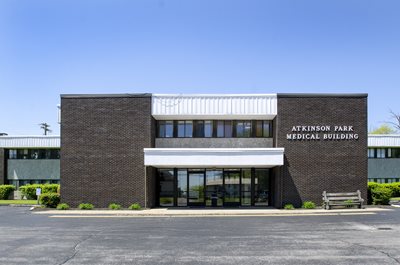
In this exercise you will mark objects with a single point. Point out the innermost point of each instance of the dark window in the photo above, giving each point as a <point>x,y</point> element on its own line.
<point>182,187</point>
<point>263,128</point>
<point>261,187</point>
<point>181,128</point>
<point>165,129</point>
<point>185,129</point>
<point>166,181</point>
<point>243,129</point>
<point>220,129</point>
<point>228,129</point>
<point>199,129</point>
<point>12,154</point>
<point>395,152</point>
<point>208,128</point>
<point>371,153</point>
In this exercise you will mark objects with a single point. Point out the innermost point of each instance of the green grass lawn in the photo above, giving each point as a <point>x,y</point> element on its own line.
<point>395,199</point>
<point>18,202</point>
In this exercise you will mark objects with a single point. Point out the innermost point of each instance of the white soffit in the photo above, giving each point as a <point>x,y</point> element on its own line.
<point>214,106</point>
<point>213,157</point>
<point>30,141</point>
<point>384,140</point>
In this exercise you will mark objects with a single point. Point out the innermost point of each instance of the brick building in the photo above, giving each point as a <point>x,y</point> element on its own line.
<point>212,150</point>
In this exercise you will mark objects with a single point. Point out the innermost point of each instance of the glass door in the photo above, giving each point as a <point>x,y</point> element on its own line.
<point>232,187</point>
<point>196,188</point>
<point>214,187</point>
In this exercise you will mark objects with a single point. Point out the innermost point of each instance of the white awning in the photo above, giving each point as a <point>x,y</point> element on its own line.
<point>213,157</point>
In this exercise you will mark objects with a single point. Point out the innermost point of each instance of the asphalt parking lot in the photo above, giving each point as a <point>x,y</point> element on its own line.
<point>27,238</point>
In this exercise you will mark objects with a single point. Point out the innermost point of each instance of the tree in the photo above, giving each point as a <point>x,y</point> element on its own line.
<point>396,117</point>
<point>383,129</point>
<point>45,127</point>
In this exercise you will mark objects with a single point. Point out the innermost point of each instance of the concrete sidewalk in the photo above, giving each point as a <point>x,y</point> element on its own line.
<point>169,212</point>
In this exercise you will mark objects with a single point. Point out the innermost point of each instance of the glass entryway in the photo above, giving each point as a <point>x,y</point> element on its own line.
<point>214,187</point>
<point>196,188</point>
<point>232,187</point>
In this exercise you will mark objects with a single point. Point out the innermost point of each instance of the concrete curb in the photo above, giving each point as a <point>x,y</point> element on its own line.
<point>209,212</point>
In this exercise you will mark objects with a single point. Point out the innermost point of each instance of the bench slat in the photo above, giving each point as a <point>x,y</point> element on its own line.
<point>343,203</point>
<point>342,194</point>
<point>342,198</point>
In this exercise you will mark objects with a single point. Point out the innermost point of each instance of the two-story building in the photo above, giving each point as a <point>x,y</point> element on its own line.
<point>211,150</point>
<point>384,158</point>
<point>29,160</point>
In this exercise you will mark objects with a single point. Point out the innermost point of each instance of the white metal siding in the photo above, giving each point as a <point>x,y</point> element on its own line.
<point>383,140</point>
<point>29,141</point>
<point>203,106</point>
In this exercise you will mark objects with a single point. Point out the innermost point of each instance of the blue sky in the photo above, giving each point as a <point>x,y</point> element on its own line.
<point>48,48</point>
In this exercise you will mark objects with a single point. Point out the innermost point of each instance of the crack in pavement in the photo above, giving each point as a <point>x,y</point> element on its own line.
<point>75,248</point>
<point>373,248</point>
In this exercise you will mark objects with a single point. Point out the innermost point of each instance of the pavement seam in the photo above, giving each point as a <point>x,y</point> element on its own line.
<point>373,248</point>
<point>75,248</point>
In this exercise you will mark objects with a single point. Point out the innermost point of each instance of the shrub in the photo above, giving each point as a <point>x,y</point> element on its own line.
<point>47,188</point>
<point>114,206</point>
<point>50,199</point>
<point>86,206</point>
<point>135,206</point>
<point>62,206</point>
<point>289,206</point>
<point>308,205</point>
<point>371,186</point>
<point>394,187</point>
<point>5,191</point>
<point>29,190</point>
<point>381,195</point>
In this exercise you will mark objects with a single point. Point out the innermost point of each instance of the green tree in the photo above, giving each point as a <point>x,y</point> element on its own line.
<point>383,129</point>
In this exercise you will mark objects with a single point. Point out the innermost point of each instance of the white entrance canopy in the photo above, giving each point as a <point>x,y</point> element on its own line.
<point>213,157</point>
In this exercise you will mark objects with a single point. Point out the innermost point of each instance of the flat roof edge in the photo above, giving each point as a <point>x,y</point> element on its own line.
<point>322,95</point>
<point>122,95</point>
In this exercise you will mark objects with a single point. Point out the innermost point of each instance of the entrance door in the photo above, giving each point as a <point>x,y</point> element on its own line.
<point>196,188</point>
<point>232,187</point>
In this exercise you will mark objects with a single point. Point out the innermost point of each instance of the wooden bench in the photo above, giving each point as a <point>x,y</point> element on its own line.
<point>342,199</point>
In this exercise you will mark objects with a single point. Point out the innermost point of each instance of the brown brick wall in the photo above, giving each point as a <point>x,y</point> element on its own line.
<point>314,166</point>
<point>102,141</point>
<point>2,167</point>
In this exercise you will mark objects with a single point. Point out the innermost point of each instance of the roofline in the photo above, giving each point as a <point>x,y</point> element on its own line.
<point>214,95</point>
<point>383,135</point>
<point>122,95</point>
<point>322,95</point>
<point>29,136</point>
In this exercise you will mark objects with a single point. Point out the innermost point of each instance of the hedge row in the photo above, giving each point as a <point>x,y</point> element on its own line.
<point>380,193</point>
<point>5,191</point>
<point>29,190</point>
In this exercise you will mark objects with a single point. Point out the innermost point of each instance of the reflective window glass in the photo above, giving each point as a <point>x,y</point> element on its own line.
<point>182,187</point>
<point>208,128</point>
<point>166,180</point>
<point>199,129</point>
<point>261,187</point>
<point>246,187</point>
<point>228,129</point>
<point>214,188</point>
<point>220,128</point>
